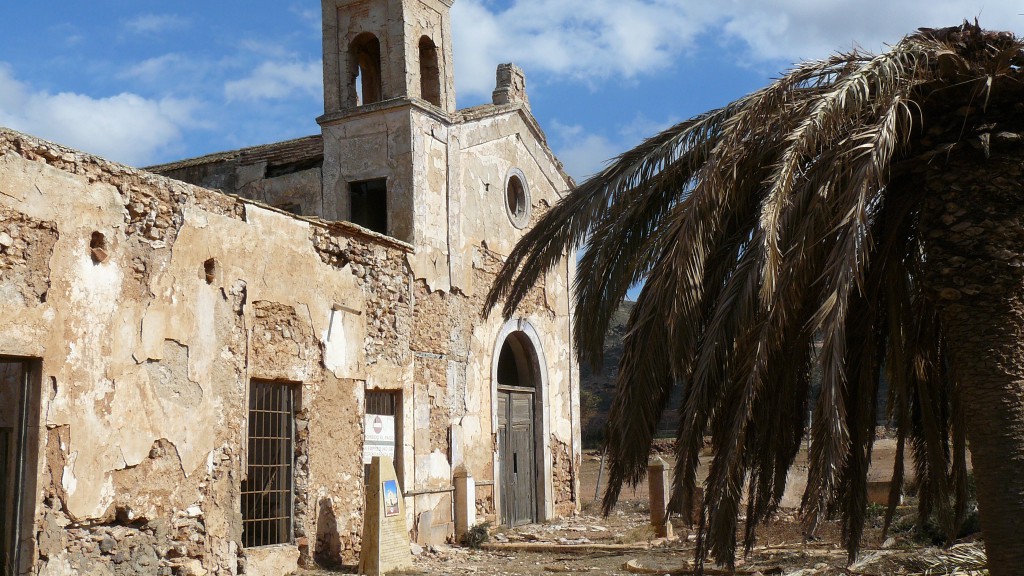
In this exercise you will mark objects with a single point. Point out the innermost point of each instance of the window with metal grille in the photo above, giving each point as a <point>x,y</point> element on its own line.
<point>267,492</point>
<point>381,402</point>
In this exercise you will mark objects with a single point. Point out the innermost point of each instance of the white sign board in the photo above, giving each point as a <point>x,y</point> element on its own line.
<point>380,437</point>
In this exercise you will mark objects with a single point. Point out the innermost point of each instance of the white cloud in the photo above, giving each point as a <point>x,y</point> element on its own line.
<point>582,39</point>
<point>799,29</point>
<point>309,16</point>
<point>582,154</point>
<point>597,39</point>
<point>640,127</point>
<point>154,23</point>
<point>125,127</point>
<point>277,80</point>
<point>158,68</point>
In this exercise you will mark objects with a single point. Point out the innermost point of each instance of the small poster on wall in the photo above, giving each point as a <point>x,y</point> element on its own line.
<point>390,488</point>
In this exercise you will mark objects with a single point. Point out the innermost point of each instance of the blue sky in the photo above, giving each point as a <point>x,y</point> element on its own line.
<point>144,82</point>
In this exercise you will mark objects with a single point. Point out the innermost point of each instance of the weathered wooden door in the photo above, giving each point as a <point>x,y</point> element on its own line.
<point>517,457</point>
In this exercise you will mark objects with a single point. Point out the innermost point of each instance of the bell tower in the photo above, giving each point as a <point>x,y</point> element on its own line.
<point>380,50</point>
<point>389,95</point>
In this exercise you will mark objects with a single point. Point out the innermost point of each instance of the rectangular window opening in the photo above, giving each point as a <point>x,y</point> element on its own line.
<point>369,203</point>
<point>268,490</point>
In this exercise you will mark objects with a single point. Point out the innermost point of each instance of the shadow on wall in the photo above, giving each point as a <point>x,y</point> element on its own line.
<point>328,541</point>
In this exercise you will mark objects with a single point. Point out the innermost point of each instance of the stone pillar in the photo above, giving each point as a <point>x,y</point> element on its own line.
<point>657,478</point>
<point>385,545</point>
<point>465,501</point>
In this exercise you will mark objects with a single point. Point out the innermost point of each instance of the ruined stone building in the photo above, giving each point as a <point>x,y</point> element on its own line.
<point>192,355</point>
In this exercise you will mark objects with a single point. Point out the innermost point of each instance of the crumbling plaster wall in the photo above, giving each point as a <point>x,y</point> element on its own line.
<point>463,234</point>
<point>433,146</point>
<point>25,246</point>
<point>147,346</point>
<point>490,147</point>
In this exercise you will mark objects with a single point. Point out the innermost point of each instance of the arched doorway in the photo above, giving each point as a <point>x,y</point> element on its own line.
<point>518,378</point>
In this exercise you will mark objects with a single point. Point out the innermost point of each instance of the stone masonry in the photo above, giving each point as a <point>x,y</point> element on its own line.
<point>146,304</point>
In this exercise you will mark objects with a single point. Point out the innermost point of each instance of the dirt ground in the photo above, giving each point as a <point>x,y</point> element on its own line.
<point>625,543</point>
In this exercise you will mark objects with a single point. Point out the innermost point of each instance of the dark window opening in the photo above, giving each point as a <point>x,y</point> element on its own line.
<point>285,168</point>
<point>515,197</point>
<point>508,371</point>
<point>430,75</point>
<point>365,57</point>
<point>370,204</point>
<point>382,402</point>
<point>267,491</point>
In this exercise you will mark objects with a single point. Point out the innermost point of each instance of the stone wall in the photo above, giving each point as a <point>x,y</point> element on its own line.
<point>150,304</point>
<point>25,246</point>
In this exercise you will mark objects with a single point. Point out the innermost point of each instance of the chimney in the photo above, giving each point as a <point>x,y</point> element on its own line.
<point>511,88</point>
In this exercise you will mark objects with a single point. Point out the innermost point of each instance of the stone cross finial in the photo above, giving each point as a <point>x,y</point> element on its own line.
<point>511,87</point>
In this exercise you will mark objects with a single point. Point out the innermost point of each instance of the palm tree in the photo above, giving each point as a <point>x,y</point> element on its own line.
<point>864,213</point>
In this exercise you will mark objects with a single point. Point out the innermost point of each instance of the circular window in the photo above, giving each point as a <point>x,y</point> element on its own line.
<point>517,198</point>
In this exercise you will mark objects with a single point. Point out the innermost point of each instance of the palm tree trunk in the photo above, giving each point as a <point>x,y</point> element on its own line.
<point>972,220</point>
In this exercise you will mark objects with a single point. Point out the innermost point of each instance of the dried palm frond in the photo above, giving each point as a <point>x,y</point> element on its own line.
<point>777,232</point>
<point>960,560</point>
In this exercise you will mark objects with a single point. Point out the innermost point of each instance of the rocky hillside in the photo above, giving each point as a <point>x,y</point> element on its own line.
<point>597,389</point>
